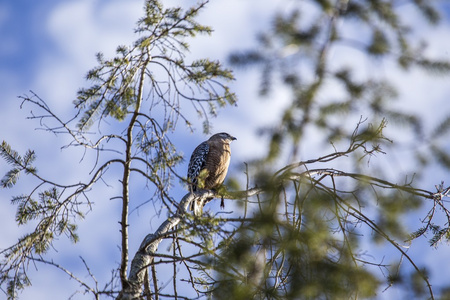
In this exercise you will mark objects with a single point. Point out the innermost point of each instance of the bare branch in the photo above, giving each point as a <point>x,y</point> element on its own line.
<point>144,256</point>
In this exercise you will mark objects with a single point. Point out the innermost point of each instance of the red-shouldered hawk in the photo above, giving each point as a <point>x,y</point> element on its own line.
<point>209,163</point>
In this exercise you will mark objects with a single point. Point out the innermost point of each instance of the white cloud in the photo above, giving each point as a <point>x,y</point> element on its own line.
<point>79,29</point>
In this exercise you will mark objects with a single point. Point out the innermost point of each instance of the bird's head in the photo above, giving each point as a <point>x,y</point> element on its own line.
<point>223,136</point>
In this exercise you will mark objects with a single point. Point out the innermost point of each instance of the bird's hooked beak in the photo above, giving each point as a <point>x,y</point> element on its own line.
<point>233,138</point>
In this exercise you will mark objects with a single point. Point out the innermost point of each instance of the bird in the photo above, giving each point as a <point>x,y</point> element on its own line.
<point>209,163</point>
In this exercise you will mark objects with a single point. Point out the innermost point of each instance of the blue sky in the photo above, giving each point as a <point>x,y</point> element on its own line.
<point>48,46</point>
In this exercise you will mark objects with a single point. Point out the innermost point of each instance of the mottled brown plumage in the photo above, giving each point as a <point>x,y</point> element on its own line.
<point>209,162</point>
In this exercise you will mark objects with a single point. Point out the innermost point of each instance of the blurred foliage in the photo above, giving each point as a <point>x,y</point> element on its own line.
<point>294,54</point>
<point>307,230</point>
<point>312,233</point>
<point>317,233</point>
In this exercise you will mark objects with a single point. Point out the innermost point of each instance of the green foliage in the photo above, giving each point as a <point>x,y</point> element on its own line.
<point>119,82</point>
<point>379,44</point>
<point>428,11</point>
<point>172,21</point>
<point>145,86</point>
<point>295,252</point>
<point>439,234</point>
<point>53,216</point>
<point>305,229</point>
<point>17,162</point>
<point>20,282</point>
<point>441,156</point>
<point>206,68</point>
<point>327,220</point>
<point>295,51</point>
<point>390,207</point>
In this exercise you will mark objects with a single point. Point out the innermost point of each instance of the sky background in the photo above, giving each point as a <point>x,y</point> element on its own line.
<point>48,47</point>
